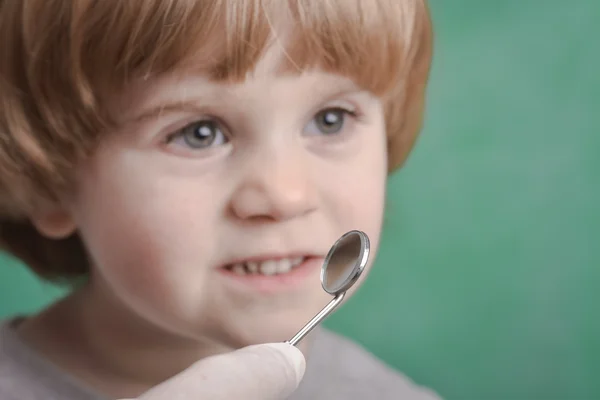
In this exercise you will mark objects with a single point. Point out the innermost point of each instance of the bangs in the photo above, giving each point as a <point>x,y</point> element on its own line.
<point>368,41</point>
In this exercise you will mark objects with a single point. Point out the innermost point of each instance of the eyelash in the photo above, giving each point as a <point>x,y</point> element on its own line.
<point>208,120</point>
<point>180,133</point>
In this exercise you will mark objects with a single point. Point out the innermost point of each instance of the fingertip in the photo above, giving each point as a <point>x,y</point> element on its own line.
<point>294,357</point>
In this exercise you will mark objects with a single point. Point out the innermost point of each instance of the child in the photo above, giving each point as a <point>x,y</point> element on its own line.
<point>188,164</point>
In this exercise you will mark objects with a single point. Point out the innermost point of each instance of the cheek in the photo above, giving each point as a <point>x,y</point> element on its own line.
<point>357,186</point>
<point>357,193</point>
<point>150,238</point>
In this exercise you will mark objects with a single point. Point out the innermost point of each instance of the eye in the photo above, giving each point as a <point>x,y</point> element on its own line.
<point>199,135</point>
<point>328,121</point>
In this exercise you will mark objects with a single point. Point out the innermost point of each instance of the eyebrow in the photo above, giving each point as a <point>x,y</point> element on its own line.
<point>194,105</point>
<point>167,107</point>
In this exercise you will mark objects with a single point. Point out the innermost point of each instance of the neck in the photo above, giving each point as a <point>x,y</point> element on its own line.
<point>130,345</point>
<point>109,348</point>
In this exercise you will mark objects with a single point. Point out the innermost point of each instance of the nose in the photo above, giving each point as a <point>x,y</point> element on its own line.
<point>274,186</point>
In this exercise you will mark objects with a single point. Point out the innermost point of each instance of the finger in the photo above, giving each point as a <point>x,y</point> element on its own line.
<point>266,372</point>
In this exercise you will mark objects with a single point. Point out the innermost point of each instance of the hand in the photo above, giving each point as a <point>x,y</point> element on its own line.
<point>266,372</point>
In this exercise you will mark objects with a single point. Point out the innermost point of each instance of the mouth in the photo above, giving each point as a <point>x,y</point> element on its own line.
<point>271,275</point>
<point>265,267</point>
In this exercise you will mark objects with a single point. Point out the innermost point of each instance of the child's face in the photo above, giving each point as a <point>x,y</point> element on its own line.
<point>203,175</point>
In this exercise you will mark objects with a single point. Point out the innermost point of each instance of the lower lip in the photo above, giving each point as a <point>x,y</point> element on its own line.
<point>275,283</point>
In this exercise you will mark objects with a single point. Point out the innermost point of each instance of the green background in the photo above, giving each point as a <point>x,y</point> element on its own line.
<point>485,285</point>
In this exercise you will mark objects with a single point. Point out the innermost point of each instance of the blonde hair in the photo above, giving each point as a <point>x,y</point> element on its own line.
<point>60,59</point>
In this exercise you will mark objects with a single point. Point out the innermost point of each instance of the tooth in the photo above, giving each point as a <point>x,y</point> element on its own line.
<point>252,267</point>
<point>238,269</point>
<point>268,267</point>
<point>297,261</point>
<point>284,265</point>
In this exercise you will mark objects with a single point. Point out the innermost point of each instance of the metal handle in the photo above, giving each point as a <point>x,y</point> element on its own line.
<point>316,319</point>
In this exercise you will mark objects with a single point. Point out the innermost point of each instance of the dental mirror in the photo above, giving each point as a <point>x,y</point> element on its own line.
<point>342,267</point>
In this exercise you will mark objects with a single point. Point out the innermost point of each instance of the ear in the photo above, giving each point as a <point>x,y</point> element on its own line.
<point>53,222</point>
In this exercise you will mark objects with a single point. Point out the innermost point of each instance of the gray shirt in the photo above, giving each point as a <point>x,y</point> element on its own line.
<point>336,369</point>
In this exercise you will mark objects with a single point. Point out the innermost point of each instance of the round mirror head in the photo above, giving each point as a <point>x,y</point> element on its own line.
<point>345,261</point>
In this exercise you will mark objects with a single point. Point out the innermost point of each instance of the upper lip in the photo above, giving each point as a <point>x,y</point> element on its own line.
<point>270,256</point>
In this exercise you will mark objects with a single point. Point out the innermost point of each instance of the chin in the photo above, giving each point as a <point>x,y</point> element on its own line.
<point>269,329</point>
<point>267,321</point>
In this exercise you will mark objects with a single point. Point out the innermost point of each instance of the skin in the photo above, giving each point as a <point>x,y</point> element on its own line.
<point>159,217</point>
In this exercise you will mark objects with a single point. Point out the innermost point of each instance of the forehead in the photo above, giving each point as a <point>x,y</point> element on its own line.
<point>361,40</point>
<point>265,88</point>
